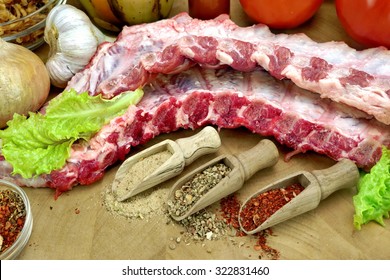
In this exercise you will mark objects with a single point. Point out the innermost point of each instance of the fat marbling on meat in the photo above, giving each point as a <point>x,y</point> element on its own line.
<point>225,98</point>
<point>360,79</point>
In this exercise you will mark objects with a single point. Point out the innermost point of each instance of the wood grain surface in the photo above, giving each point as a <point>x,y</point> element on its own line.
<point>77,225</point>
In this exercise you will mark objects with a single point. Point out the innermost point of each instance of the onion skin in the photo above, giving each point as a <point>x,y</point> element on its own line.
<point>24,81</point>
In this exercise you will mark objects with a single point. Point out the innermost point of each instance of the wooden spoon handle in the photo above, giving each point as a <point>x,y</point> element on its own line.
<point>204,142</point>
<point>343,174</point>
<point>263,155</point>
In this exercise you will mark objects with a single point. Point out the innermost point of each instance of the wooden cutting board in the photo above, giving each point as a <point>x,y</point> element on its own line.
<point>78,226</point>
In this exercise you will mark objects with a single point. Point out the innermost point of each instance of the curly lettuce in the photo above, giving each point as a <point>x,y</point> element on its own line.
<point>372,202</point>
<point>41,143</point>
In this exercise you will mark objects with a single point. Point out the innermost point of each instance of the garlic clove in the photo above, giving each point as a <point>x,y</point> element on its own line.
<point>60,70</point>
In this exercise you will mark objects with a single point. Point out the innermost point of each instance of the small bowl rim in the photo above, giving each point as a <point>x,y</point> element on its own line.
<point>29,15</point>
<point>15,34</point>
<point>21,241</point>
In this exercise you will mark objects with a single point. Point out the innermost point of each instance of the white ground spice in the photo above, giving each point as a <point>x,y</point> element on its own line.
<point>144,204</point>
<point>138,171</point>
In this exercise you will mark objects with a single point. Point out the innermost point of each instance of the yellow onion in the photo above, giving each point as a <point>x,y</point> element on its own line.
<point>24,81</point>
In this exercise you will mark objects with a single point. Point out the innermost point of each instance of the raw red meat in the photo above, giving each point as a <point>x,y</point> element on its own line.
<point>228,99</point>
<point>360,79</point>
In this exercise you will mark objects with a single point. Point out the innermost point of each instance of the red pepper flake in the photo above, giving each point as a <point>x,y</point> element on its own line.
<point>77,211</point>
<point>261,207</point>
<point>261,244</point>
<point>230,207</point>
<point>12,217</point>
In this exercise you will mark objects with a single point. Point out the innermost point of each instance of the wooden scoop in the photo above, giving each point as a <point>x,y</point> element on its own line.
<point>243,166</point>
<point>184,152</point>
<point>318,184</point>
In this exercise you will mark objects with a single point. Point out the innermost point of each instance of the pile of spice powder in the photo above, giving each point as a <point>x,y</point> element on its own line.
<point>145,204</point>
<point>12,217</point>
<point>188,194</point>
<point>230,207</point>
<point>141,206</point>
<point>260,207</point>
<point>139,170</point>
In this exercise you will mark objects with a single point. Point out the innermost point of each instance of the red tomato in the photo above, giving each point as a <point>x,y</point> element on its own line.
<point>366,21</point>
<point>281,13</point>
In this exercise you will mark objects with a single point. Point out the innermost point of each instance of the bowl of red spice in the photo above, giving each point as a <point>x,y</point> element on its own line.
<point>15,220</point>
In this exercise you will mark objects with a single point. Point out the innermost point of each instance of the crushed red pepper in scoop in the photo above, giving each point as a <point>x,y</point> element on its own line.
<point>230,207</point>
<point>260,207</point>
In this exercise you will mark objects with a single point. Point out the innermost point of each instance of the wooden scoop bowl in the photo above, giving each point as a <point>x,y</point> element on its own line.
<point>318,184</point>
<point>243,166</point>
<point>184,152</point>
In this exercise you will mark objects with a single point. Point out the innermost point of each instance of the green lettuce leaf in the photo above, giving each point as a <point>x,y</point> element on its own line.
<point>41,143</point>
<point>372,202</point>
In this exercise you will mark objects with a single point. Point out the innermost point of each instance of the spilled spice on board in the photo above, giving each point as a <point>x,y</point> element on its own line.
<point>140,169</point>
<point>199,227</point>
<point>230,207</point>
<point>204,225</point>
<point>208,224</point>
<point>141,206</point>
<point>145,204</point>
<point>188,194</point>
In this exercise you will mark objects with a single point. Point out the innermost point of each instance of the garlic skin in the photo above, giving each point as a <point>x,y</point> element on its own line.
<point>72,39</point>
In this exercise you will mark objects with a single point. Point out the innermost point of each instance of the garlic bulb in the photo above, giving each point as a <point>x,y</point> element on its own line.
<point>72,39</point>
